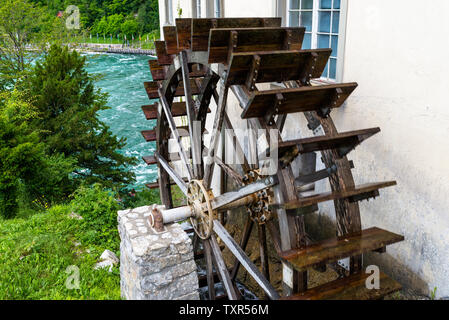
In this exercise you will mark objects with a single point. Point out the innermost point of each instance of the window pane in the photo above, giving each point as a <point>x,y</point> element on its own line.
<point>307,4</point>
<point>336,4</point>
<point>334,46</point>
<point>335,21</point>
<point>333,68</point>
<point>294,18</point>
<point>294,4</point>
<point>324,21</point>
<point>306,20</point>
<point>325,4</point>
<point>307,42</point>
<point>325,70</point>
<point>323,41</point>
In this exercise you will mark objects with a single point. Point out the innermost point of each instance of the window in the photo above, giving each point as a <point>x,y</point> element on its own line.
<point>321,18</point>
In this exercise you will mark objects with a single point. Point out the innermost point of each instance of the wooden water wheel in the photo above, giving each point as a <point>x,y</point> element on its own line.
<point>199,61</point>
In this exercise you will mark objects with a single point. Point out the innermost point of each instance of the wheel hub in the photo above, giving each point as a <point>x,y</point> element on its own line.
<point>202,219</point>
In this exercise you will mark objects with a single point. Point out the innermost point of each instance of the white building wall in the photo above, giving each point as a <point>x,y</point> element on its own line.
<point>397,52</point>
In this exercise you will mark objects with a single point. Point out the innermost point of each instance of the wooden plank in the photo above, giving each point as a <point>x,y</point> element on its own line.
<point>158,72</point>
<point>163,58</point>
<point>308,98</point>
<point>155,185</point>
<point>343,143</point>
<point>252,40</point>
<point>171,39</point>
<point>152,87</point>
<point>178,109</point>
<point>201,28</point>
<point>150,135</point>
<point>327,196</point>
<point>184,33</point>
<point>340,247</point>
<point>279,66</point>
<point>350,288</point>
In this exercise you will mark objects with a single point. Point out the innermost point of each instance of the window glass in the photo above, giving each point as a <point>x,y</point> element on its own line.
<point>324,21</point>
<point>323,41</point>
<point>306,20</point>
<point>336,4</point>
<point>335,21</point>
<point>333,68</point>
<point>307,4</point>
<point>307,42</point>
<point>325,4</point>
<point>294,4</point>
<point>334,46</point>
<point>325,71</point>
<point>294,18</point>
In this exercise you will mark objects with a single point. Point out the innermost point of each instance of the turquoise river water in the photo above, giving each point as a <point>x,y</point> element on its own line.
<point>123,77</point>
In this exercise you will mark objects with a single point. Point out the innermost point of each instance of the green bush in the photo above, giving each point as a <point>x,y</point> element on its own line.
<point>98,207</point>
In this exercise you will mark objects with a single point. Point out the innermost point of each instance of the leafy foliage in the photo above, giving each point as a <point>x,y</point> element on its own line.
<point>23,161</point>
<point>98,207</point>
<point>68,103</point>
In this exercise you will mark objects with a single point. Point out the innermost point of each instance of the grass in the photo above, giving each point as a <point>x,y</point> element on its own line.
<point>36,251</point>
<point>37,247</point>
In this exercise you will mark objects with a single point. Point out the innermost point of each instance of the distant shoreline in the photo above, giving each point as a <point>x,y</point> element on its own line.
<point>107,48</point>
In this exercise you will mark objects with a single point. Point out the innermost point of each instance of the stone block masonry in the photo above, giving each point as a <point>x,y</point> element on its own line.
<point>155,266</point>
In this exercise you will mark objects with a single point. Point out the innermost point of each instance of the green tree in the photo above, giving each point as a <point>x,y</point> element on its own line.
<point>19,23</point>
<point>68,105</point>
<point>129,27</point>
<point>23,162</point>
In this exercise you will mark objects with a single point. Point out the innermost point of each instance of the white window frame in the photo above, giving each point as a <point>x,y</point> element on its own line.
<point>315,33</point>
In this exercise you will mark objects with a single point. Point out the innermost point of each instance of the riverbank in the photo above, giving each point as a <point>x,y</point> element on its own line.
<point>112,48</point>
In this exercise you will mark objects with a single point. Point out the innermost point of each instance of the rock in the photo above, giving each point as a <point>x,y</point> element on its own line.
<point>107,259</point>
<point>76,216</point>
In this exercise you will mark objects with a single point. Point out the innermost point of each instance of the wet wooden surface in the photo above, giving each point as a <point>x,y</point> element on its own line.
<point>340,247</point>
<point>202,27</point>
<point>310,98</point>
<point>252,40</point>
<point>163,58</point>
<point>333,195</point>
<point>350,288</point>
<point>152,87</point>
<point>278,66</point>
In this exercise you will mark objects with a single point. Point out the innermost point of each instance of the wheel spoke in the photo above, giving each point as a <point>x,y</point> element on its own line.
<point>218,122</point>
<point>209,270</point>
<point>194,130</point>
<point>173,174</point>
<point>229,171</point>
<point>223,272</point>
<point>174,130</point>
<point>243,243</point>
<point>232,196</point>
<point>245,261</point>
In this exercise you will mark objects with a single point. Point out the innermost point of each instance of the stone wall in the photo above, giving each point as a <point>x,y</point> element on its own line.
<point>155,266</point>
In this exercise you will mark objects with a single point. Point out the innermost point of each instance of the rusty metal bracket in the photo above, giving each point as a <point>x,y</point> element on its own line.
<point>253,73</point>
<point>156,221</point>
<point>271,112</point>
